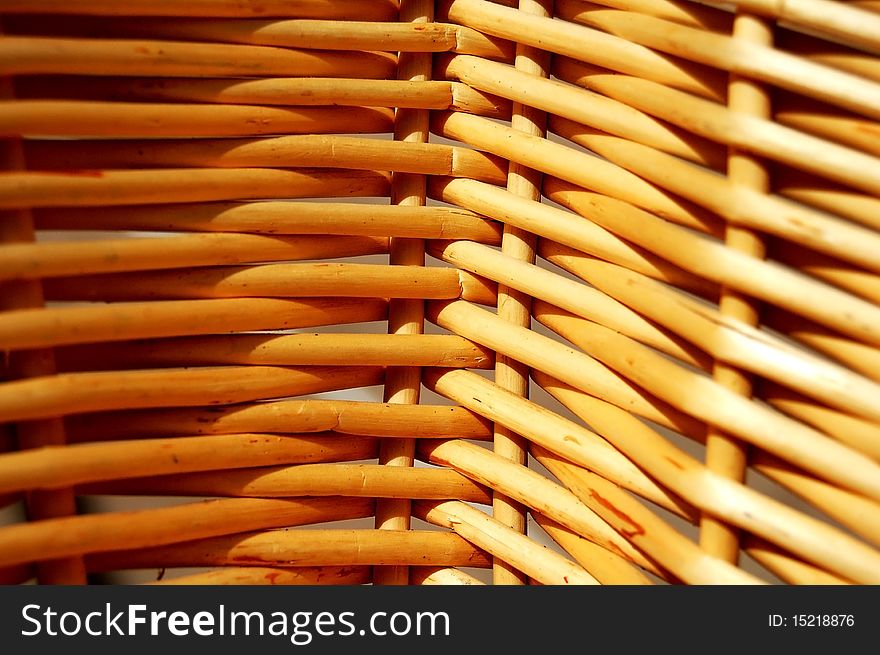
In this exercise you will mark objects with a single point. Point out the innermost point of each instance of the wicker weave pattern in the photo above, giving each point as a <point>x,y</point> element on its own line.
<point>395,292</point>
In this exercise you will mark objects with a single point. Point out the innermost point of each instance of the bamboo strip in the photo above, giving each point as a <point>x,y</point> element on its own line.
<point>18,227</point>
<point>533,559</point>
<point>738,204</point>
<point>41,55</point>
<point>97,188</point>
<point>513,305</point>
<point>423,575</point>
<point>542,426</point>
<point>123,321</point>
<point>327,9</point>
<point>763,280</point>
<point>278,218</point>
<point>727,338</point>
<point>754,60</point>
<point>307,150</point>
<point>403,384</point>
<point>532,490</point>
<point>718,123</point>
<point>41,260</point>
<point>129,119</point>
<point>310,547</point>
<point>584,107</point>
<point>857,433</point>
<point>287,91</point>
<point>720,496</point>
<point>686,13</point>
<point>845,22</point>
<point>605,565</point>
<point>367,480</point>
<point>53,467</point>
<point>305,280</point>
<point>97,533</point>
<point>855,512</point>
<point>256,575</point>
<point>447,351</point>
<point>644,529</point>
<point>788,568</point>
<point>566,163</point>
<point>560,226</point>
<point>718,406</point>
<point>72,393</point>
<point>583,43</point>
<point>577,298</point>
<point>310,415</point>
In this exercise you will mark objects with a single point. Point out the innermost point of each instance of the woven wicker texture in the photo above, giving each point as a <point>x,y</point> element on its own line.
<point>340,292</point>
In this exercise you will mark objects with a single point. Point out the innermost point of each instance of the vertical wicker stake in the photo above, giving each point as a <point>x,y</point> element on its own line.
<point>405,316</point>
<point>18,226</point>
<point>725,455</point>
<point>513,305</point>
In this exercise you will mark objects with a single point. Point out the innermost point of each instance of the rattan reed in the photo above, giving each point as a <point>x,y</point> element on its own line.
<point>368,291</point>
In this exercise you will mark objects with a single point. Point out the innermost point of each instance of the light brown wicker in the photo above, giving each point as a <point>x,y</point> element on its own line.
<point>279,277</point>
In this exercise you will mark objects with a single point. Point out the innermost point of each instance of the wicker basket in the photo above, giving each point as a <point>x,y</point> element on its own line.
<point>277,277</point>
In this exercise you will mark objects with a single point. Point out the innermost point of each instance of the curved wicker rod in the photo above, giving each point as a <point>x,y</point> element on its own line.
<point>306,280</point>
<point>720,496</point>
<point>605,565</point>
<point>788,568</point>
<point>445,350</point>
<point>309,547</point>
<point>310,34</point>
<point>541,352</point>
<point>563,227</point>
<point>98,188</point>
<point>429,575</point>
<point>853,354</point>
<point>857,433</point>
<point>827,122</point>
<point>53,467</point>
<point>41,55</point>
<point>274,218</point>
<point>848,23</point>
<point>645,530</point>
<point>327,9</point>
<point>123,321</point>
<point>536,492</point>
<point>855,512</point>
<point>285,91</point>
<point>718,123</point>
<point>830,54</point>
<point>259,575</point>
<point>850,277</point>
<point>725,338</point>
<point>284,416</point>
<point>73,393</point>
<point>718,406</point>
<point>40,260</point>
<point>556,433</point>
<point>518,550</point>
<point>834,198</point>
<point>603,308</point>
<point>307,150</point>
<point>140,119</point>
<point>566,163</point>
<point>368,480</point>
<point>741,206</point>
<point>77,535</point>
<point>773,283</point>
<point>586,44</point>
<point>582,106</point>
